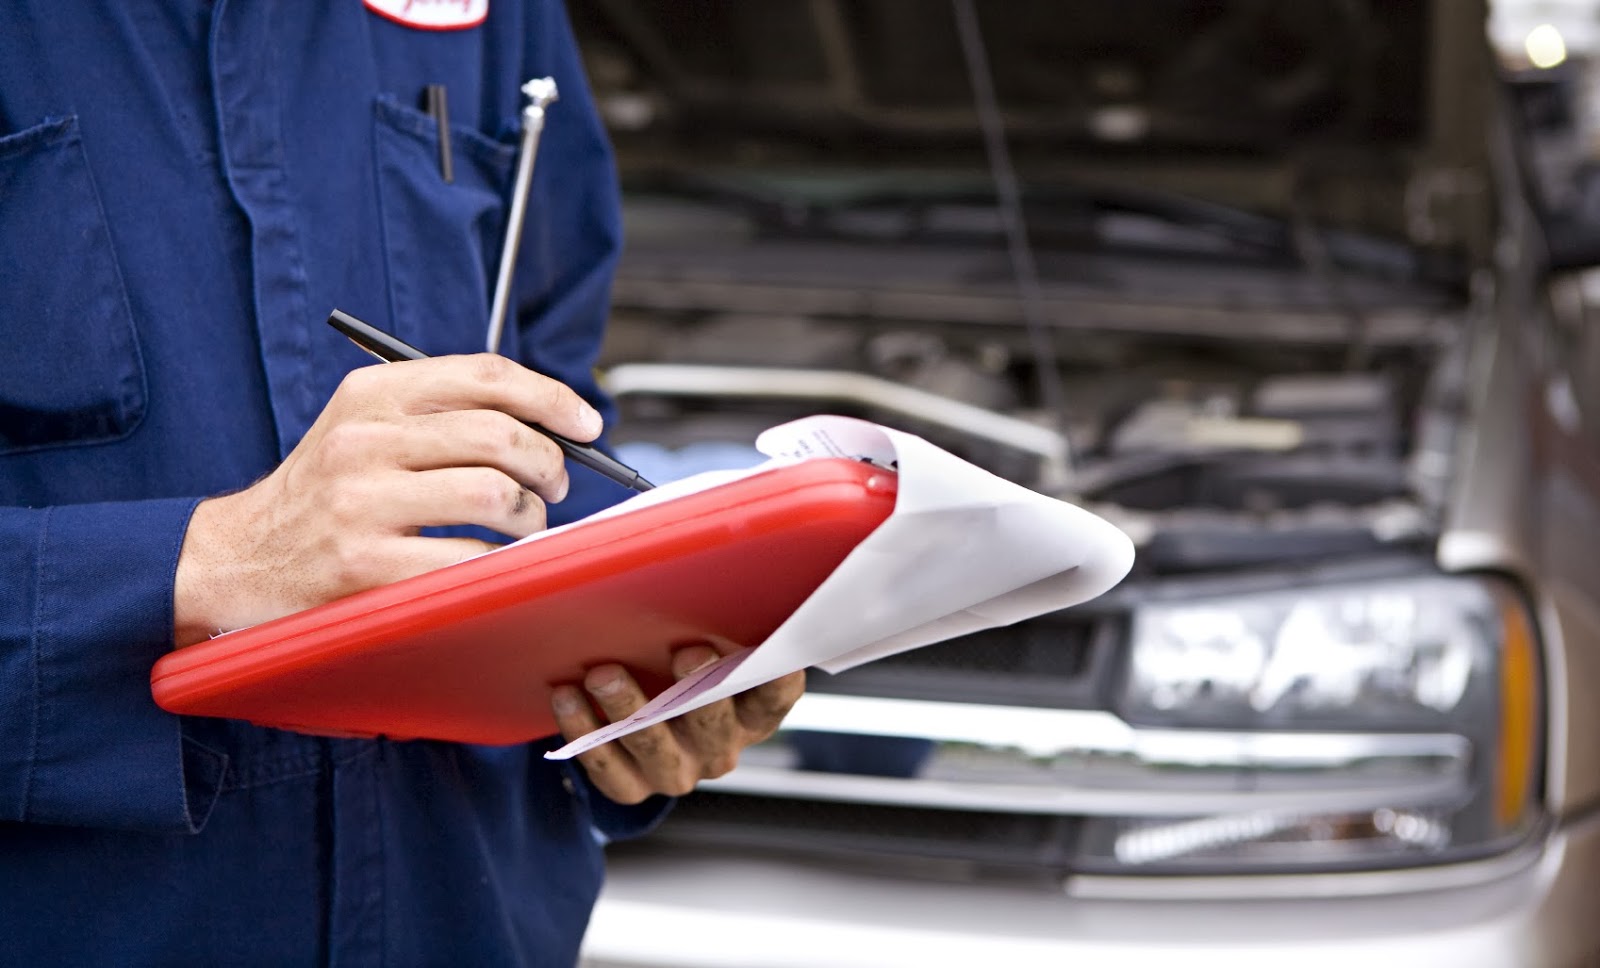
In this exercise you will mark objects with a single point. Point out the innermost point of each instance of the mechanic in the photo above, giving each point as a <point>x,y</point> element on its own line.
<point>187,188</point>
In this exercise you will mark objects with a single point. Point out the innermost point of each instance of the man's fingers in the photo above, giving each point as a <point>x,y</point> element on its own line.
<point>485,438</point>
<point>614,691</point>
<point>482,381</point>
<point>692,658</point>
<point>450,495</point>
<point>356,448</point>
<point>668,757</point>
<point>610,767</point>
<point>656,751</point>
<point>711,733</point>
<point>574,716</point>
<point>399,447</point>
<point>762,709</point>
<point>714,735</point>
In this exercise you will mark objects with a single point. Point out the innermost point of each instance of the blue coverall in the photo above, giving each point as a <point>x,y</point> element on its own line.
<point>187,187</point>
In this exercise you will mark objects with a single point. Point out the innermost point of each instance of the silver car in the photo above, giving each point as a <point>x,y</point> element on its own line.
<point>1285,310</point>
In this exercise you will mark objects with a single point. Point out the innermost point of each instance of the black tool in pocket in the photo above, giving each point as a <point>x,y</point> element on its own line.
<point>440,238</point>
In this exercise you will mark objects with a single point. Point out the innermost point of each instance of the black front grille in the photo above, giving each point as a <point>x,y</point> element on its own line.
<point>1061,660</point>
<point>1058,649</point>
<point>1016,841</point>
<point>1055,661</point>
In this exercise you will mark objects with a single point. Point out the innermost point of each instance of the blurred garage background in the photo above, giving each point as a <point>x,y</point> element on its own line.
<point>1299,295</point>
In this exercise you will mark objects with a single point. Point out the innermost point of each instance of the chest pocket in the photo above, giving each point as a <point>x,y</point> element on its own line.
<point>440,237</point>
<point>70,369</point>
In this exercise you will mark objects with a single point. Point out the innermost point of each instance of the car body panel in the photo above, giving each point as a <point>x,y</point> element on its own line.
<point>1517,486</point>
<point>679,910</point>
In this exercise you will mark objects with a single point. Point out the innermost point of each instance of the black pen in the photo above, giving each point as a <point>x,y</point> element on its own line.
<point>438,108</point>
<point>391,350</point>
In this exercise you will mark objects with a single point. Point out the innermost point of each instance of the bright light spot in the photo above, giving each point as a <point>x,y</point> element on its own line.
<point>1122,122</point>
<point>1545,46</point>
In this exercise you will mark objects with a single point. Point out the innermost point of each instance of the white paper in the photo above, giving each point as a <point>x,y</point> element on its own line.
<point>963,550</point>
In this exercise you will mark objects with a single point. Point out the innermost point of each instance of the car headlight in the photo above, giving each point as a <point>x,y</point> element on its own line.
<point>1419,653</point>
<point>1426,687</point>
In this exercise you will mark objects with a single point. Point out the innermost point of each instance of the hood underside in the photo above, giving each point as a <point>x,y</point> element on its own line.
<point>1346,105</point>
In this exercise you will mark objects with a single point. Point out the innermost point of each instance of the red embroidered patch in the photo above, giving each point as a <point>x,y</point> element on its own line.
<point>432,14</point>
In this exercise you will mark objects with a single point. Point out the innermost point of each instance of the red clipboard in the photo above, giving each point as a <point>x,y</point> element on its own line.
<point>470,652</point>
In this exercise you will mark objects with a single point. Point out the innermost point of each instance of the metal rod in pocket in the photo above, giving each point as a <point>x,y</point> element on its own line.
<point>541,92</point>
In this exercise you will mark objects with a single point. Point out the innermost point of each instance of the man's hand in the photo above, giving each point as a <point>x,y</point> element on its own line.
<point>399,447</point>
<point>673,756</point>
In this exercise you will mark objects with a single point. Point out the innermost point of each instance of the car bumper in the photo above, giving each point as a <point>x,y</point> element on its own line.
<point>683,909</point>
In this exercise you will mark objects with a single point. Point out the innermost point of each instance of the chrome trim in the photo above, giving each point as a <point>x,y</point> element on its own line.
<point>1039,732</point>
<point>673,379</point>
<point>1411,880</point>
<point>1008,759</point>
<point>1067,800</point>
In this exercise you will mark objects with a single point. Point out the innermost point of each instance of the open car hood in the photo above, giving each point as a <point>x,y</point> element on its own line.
<point>1368,114</point>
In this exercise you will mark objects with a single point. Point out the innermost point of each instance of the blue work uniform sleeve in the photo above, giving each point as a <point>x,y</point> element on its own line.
<point>570,247</point>
<point>87,613</point>
<point>564,290</point>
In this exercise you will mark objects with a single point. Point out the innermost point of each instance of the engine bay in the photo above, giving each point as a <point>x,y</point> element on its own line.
<point>1209,452</point>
